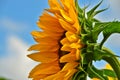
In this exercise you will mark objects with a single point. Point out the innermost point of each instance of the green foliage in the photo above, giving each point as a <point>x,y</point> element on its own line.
<point>102,74</point>
<point>2,78</point>
<point>80,75</point>
<point>107,28</point>
<point>93,51</point>
<point>92,12</point>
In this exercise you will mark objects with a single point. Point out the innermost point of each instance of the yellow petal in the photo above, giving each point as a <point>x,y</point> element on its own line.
<point>44,48</point>
<point>58,76</point>
<point>39,77</point>
<point>95,79</point>
<point>78,27</point>
<point>45,68</point>
<point>45,34</point>
<point>73,14</point>
<point>78,52</point>
<point>76,45</point>
<point>66,16</point>
<point>71,36</point>
<point>64,41</point>
<point>52,23</point>
<point>67,26</point>
<point>44,57</point>
<point>66,47</point>
<point>74,17</point>
<point>54,11</point>
<point>46,40</point>
<point>67,3</point>
<point>108,66</point>
<point>54,4</point>
<point>70,73</point>
<point>69,66</point>
<point>68,57</point>
<point>110,78</point>
<point>51,77</point>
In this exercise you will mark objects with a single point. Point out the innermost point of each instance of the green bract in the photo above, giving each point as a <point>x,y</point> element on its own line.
<point>93,51</point>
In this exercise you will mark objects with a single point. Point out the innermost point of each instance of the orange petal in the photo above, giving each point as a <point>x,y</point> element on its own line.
<point>78,52</point>
<point>67,26</point>
<point>68,57</point>
<point>66,47</point>
<point>73,14</point>
<point>39,77</point>
<point>54,4</point>
<point>58,76</point>
<point>46,34</point>
<point>45,68</point>
<point>64,41</point>
<point>42,47</point>
<point>44,57</point>
<point>51,77</point>
<point>71,36</point>
<point>66,16</point>
<point>52,23</point>
<point>70,73</point>
<point>50,26</point>
<point>76,45</point>
<point>67,3</point>
<point>46,40</point>
<point>54,11</point>
<point>69,66</point>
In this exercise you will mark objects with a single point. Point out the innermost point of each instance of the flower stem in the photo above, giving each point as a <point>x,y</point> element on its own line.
<point>114,62</point>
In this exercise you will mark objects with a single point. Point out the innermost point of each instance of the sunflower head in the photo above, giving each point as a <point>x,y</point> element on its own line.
<point>67,43</point>
<point>58,44</point>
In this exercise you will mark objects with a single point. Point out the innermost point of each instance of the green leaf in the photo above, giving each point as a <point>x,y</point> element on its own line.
<point>113,27</point>
<point>89,13</point>
<point>95,73</point>
<point>107,28</point>
<point>95,20</point>
<point>80,75</point>
<point>79,10</point>
<point>99,11</point>
<point>102,74</point>
<point>109,73</point>
<point>99,54</point>
<point>113,61</point>
<point>98,28</point>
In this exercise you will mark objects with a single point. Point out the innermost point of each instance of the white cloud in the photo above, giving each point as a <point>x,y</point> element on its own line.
<point>113,13</point>
<point>115,6</point>
<point>16,65</point>
<point>12,25</point>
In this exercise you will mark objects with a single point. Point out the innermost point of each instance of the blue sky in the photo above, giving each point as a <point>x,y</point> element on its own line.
<point>18,18</point>
<point>19,12</point>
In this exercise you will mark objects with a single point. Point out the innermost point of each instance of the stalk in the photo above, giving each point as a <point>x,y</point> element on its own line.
<point>114,62</point>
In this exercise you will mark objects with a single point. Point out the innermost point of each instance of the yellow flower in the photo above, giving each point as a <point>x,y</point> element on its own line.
<point>58,43</point>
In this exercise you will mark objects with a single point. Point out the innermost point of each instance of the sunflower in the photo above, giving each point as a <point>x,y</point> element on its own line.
<point>58,43</point>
